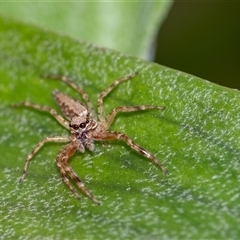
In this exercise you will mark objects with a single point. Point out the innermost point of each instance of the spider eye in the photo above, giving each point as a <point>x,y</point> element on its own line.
<point>75,126</point>
<point>82,125</point>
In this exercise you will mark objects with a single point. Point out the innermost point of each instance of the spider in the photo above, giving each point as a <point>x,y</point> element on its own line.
<point>85,127</point>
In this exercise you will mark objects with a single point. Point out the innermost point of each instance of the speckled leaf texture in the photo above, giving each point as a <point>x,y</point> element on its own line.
<point>197,138</point>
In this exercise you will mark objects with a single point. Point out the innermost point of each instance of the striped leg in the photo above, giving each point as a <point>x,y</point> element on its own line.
<point>116,135</point>
<point>35,150</point>
<point>53,112</point>
<point>112,114</point>
<point>107,91</point>
<point>66,171</point>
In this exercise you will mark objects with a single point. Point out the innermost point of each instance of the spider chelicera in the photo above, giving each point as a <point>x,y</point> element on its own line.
<point>85,128</point>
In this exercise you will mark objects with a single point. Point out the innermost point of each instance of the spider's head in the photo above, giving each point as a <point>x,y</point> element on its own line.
<point>82,124</point>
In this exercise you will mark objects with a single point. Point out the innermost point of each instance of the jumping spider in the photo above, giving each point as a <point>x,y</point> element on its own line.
<point>85,128</point>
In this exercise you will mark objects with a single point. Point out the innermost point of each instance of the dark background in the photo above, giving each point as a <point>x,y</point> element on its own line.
<point>203,39</point>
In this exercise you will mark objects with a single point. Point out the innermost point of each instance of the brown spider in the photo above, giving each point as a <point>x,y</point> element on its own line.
<point>85,127</point>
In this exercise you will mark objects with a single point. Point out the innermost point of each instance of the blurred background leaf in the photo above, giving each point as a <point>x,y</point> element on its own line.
<point>198,37</point>
<point>129,27</point>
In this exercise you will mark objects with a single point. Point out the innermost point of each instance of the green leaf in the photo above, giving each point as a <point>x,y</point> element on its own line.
<point>129,27</point>
<point>197,138</point>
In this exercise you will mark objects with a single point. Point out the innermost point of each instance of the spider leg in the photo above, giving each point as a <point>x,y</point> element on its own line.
<point>75,87</point>
<point>111,135</point>
<point>65,170</point>
<point>67,182</point>
<point>106,92</point>
<point>53,112</point>
<point>35,150</point>
<point>109,119</point>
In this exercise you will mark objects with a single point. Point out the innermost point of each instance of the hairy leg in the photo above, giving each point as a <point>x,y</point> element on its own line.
<point>66,171</point>
<point>35,150</point>
<point>107,91</point>
<point>53,112</point>
<point>109,119</point>
<point>111,135</point>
